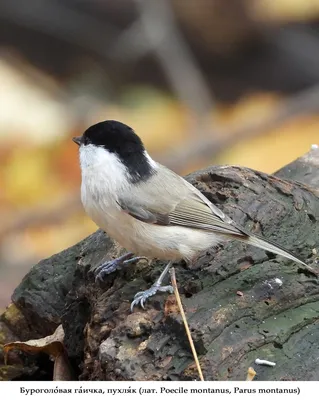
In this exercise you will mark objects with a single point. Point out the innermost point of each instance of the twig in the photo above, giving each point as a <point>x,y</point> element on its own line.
<point>180,306</point>
<point>180,66</point>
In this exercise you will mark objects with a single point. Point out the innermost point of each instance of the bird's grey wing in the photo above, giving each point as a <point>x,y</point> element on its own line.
<point>192,212</point>
<point>143,214</point>
<point>185,206</point>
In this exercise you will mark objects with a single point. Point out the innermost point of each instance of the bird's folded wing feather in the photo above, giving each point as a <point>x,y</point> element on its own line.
<point>192,210</point>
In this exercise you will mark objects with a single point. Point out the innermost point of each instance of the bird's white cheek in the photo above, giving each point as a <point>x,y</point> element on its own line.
<point>101,169</point>
<point>87,157</point>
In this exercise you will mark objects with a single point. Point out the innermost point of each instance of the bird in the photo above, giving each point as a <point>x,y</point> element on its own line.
<point>148,209</point>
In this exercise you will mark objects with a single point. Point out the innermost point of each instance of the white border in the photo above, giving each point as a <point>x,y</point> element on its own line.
<point>175,390</point>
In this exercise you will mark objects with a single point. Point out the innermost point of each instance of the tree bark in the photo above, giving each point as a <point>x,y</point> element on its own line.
<point>241,303</point>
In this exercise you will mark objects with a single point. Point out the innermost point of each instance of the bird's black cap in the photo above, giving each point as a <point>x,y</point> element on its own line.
<point>118,138</point>
<point>114,136</point>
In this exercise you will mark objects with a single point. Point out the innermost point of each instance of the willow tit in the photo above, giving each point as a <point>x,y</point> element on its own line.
<point>147,208</point>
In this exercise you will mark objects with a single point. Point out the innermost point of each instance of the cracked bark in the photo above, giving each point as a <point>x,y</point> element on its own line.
<point>274,321</point>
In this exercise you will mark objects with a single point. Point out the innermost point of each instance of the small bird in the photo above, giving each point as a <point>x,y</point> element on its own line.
<point>147,208</point>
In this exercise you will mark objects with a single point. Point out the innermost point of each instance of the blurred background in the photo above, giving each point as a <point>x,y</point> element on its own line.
<point>201,81</point>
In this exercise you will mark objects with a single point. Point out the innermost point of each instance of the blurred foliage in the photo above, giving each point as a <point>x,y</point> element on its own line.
<point>274,148</point>
<point>286,10</point>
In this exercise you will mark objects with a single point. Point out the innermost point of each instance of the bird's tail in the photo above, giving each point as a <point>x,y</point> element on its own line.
<point>266,244</point>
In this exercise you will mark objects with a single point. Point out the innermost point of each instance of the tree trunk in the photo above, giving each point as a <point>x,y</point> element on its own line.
<point>241,302</point>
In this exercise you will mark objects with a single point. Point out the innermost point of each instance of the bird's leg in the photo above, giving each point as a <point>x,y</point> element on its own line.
<point>113,265</point>
<point>141,297</point>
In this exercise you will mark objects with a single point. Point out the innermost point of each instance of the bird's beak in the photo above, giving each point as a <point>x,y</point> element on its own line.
<point>77,140</point>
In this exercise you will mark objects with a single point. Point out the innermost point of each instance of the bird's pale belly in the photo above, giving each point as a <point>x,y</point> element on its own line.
<point>136,236</point>
<point>153,241</point>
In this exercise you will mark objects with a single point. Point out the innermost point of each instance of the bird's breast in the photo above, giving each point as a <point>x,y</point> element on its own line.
<point>100,203</point>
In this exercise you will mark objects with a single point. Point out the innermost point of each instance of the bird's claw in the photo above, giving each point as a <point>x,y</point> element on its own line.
<point>105,269</point>
<point>141,297</point>
<point>110,266</point>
